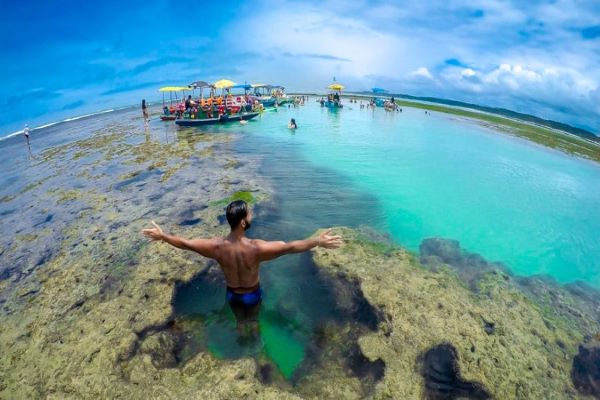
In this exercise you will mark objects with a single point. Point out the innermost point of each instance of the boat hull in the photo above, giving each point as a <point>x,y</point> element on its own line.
<point>168,117</point>
<point>332,104</point>
<point>268,102</point>
<point>214,121</point>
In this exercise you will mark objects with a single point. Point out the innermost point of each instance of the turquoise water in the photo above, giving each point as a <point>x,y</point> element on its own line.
<point>531,208</point>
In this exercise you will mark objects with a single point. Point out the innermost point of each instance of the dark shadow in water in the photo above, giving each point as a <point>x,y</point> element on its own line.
<point>442,376</point>
<point>586,371</point>
<point>137,179</point>
<point>470,266</point>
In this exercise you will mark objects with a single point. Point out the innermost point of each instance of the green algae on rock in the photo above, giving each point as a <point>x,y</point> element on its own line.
<point>521,357</point>
<point>246,196</point>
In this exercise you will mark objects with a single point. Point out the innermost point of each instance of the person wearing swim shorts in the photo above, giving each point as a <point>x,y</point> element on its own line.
<point>240,257</point>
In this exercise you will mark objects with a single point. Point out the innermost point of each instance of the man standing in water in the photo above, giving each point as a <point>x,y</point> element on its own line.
<point>144,109</point>
<point>240,257</point>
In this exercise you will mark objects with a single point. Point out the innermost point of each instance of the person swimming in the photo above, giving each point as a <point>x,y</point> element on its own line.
<point>292,124</point>
<point>240,257</point>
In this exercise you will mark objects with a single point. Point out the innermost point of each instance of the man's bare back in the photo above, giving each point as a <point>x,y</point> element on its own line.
<point>239,256</point>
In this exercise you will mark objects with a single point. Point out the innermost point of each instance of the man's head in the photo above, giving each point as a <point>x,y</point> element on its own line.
<point>238,213</point>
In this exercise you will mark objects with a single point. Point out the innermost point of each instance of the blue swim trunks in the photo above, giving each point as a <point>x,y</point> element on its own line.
<point>246,299</point>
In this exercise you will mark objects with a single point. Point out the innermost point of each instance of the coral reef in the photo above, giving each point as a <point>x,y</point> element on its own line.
<point>501,336</point>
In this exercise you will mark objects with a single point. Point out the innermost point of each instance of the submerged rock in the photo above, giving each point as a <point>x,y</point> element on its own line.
<point>507,347</point>
<point>442,376</point>
<point>586,370</point>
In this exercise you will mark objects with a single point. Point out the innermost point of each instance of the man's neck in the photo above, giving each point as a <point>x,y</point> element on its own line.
<point>237,234</point>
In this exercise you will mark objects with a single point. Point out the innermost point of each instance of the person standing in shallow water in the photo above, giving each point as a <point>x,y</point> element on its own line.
<point>144,109</point>
<point>240,257</point>
<point>26,133</point>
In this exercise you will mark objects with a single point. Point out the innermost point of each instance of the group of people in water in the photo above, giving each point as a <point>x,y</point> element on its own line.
<point>331,98</point>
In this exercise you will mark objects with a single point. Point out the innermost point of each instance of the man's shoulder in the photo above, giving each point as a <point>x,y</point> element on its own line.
<point>257,242</point>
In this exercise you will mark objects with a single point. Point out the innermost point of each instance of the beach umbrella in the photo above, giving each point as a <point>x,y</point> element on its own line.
<point>335,86</point>
<point>224,84</point>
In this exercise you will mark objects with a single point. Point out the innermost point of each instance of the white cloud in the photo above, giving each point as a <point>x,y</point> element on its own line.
<point>422,72</point>
<point>531,59</point>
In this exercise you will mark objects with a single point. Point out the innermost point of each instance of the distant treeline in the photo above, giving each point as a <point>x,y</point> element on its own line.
<point>506,113</point>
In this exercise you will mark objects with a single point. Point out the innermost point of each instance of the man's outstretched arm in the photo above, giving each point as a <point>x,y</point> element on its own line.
<point>204,247</point>
<point>272,250</point>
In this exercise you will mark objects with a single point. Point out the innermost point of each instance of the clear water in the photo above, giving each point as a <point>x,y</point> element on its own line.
<point>531,208</point>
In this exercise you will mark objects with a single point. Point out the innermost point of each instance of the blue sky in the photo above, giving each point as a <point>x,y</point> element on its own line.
<point>66,58</point>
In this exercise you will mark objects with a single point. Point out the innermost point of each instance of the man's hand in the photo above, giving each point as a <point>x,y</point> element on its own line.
<point>328,241</point>
<point>154,233</point>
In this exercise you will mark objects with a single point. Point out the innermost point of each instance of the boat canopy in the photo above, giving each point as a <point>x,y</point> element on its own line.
<point>378,90</point>
<point>200,84</point>
<point>224,84</point>
<point>258,85</point>
<point>173,88</point>
<point>244,86</point>
<point>335,86</point>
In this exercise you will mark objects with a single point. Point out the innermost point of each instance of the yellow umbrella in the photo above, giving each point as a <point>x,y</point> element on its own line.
<point>335,86</point>
<point>173,88</point>
<point>224,84</point>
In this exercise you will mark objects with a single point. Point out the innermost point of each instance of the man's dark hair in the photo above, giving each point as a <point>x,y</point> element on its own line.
<point>236,212</point>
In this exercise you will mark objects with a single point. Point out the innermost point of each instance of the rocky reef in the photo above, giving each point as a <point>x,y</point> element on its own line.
<point>86,304</point>
<point>434,337</point>
<point>496,341</point>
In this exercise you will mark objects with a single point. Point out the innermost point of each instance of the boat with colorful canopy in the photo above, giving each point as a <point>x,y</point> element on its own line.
<point>280,95</point>
<point>217,109</point>
<point>333,98</point>
<point>171,111</point>
<point>262,93</point>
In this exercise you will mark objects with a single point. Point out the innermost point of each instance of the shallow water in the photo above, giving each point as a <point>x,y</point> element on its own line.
<point>409,175</point>
<point>531,208</point>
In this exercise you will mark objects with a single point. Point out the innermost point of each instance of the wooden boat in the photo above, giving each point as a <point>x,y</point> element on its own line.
<point>223,119</point>
<point>263,94</point>
<point>169,111</point>
<point>334,98</point>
